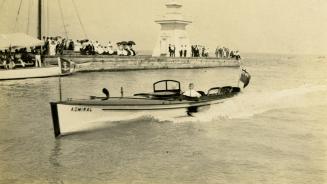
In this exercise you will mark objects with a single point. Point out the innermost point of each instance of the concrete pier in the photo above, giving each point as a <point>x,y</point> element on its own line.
<point>86,63</point>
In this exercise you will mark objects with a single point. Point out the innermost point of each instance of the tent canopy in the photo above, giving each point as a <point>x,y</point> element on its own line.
<point>18,40</point>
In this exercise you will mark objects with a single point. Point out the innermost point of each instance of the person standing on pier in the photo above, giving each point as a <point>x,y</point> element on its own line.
<point>192,50</point>
<point>198,51</point>
<point>203,51</point>
<point>181,51</point>
<point>173,50</point>
<point>170,51</point>
<point>185,51</point>
<point>227,53</point>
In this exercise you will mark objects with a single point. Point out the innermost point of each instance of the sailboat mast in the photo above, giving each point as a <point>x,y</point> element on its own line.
<point>39,22</point>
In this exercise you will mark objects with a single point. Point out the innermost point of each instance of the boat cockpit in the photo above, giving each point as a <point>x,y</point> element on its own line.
<point>216,91</point>
<point>171,90</point>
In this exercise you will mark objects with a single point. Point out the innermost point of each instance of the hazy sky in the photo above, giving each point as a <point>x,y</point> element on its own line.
<point>271,26</point>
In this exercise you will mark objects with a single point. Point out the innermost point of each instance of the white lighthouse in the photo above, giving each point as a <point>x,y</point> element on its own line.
<point>173,31</point>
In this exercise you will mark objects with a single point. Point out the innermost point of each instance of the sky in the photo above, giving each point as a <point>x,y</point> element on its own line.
<point>257,26</point>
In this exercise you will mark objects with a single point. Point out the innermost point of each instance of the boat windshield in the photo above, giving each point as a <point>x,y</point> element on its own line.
<point>166,85</point>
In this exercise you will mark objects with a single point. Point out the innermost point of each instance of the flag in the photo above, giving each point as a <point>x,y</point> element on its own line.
<point>65,66</point>
<point>245,78</point>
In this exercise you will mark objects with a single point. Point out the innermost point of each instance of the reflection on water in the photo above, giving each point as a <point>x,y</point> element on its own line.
<point>55,153</point>
<point>274,132</point>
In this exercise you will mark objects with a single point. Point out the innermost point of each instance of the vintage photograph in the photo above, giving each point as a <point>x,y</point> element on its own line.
<point>163,91</point>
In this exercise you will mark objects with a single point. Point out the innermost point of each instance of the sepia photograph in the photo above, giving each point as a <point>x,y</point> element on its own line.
<point>163,92</point>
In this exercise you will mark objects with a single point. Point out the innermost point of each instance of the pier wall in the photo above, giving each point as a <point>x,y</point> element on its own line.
<point>116,63</point>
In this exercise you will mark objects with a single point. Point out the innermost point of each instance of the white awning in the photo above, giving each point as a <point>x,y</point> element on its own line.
<point>18,40</point>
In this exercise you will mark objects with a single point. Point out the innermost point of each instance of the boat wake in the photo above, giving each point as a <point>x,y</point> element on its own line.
<point>248,104</point>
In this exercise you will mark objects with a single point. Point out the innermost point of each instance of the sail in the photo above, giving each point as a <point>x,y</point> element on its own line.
<point>18,40</point>
<point>245,78</point>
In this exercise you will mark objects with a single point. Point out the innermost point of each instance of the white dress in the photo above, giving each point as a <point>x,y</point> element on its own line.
<point>77,46</point>
<point>192,93</point>
<point>52,49</point>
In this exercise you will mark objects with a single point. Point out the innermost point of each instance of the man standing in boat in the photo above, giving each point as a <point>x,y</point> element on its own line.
<point>191,92</point>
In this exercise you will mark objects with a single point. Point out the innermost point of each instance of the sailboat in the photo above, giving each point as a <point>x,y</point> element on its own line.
<point>29,70</point>
<point>23,70</point>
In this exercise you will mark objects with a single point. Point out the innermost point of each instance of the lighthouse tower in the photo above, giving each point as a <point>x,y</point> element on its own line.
<point>173,31</point>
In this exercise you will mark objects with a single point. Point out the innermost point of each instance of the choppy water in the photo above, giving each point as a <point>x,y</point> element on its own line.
<point>274,132</point>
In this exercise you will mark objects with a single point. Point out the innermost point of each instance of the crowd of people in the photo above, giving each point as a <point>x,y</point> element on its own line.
<point>21,57</point>
<point>9,59</point>
<point>224,52</point>
<point>182,51</point>
<point>202,51</point>
<point>57,46</point>
<point>199,51</point>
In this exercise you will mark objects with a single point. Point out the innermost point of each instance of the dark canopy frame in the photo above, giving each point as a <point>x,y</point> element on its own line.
<point>156,84</point>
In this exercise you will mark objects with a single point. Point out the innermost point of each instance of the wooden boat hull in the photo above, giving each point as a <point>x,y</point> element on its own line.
<point>24,73</point>
<point>63,68</point>
<point>70,116</point>
<point>168,102</point>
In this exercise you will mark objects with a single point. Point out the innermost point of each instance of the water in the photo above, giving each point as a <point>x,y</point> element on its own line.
<point>274,132</point>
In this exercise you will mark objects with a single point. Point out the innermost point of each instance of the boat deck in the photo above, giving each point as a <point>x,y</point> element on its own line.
<point>116,101</point>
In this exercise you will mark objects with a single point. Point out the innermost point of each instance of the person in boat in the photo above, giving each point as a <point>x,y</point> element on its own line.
<point>5,59</point>
<point>10,62</point>
<point>18,58</point>
<point>37,59</point>
<point>191,92</point>
<point>25,56</point>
